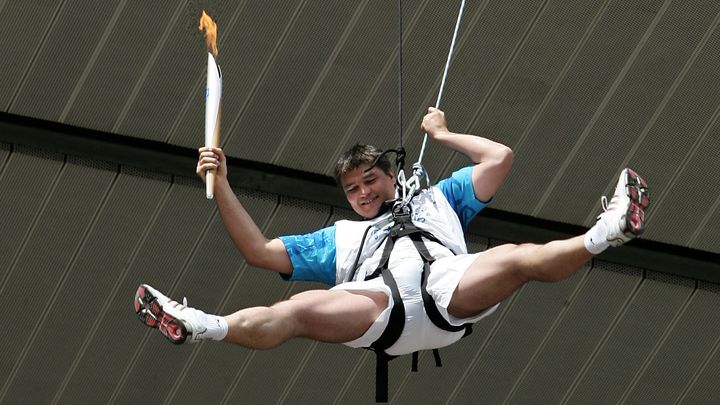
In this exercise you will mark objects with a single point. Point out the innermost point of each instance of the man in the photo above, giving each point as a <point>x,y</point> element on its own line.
<point>357,310</point>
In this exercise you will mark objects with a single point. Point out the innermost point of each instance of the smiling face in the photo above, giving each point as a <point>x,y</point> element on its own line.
<point>367,191</point>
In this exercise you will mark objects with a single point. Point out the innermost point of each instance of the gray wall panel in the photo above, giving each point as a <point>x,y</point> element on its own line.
<point>5,149</point>
<point>327,370</point>
<point>679,219</point>
<point>78,310</point>
<point>688,112</point>
<point>359,387</point>
<point>45,260</point>
<point>601,300</point>
<point>160,260</point>
<point>704,389</point>
<point>266,373</point>
<point>105,91</point>
<point>23,26</point>
<point>366,55</point>
<point>534,316</point>
<point>216,286</point>
<point>609,142</point>
<point>63,57</point>
<point>577,98</point>
<point>262,126</point>
<point>708,238</point>
<point>339,214</point>
<point>525,86</point>
<point>458,360</point>
<point>156,350</point>
<point>476,243</point>
<point>380,95</point>
<point>632,340</point>
<point>676,364</point>
<point>211,271</point>
<point>185,238</point>
<point>23,197</point>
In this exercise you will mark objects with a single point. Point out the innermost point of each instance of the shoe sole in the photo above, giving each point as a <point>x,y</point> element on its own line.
<point>637,191</point>
<point>152,315</point>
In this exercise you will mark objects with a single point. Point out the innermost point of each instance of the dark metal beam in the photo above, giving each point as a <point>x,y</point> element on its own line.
<point>166,158</point>
<point>642,253</point>
<point>180,161</point>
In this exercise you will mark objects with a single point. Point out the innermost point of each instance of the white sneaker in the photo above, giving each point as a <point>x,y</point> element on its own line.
<point>624,217</point>
<point>178,322</point>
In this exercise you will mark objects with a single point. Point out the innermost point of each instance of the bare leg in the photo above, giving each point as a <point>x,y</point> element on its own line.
<point>335,316</point>
<point>499,271</point>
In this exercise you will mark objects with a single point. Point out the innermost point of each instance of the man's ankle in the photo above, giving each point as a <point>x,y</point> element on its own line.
<point>595,239</point>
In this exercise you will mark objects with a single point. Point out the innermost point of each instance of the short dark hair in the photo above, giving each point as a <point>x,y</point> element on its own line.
<point>358,155</point>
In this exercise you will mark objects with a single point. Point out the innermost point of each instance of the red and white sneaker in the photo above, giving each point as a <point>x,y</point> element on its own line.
<point>176,321</point>
<point>624,217</point>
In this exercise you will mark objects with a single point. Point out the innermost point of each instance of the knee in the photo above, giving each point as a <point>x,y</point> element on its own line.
<point>253,332</point>
<point>265,327</point>
<point>536,266</point>
<point>527,262</point>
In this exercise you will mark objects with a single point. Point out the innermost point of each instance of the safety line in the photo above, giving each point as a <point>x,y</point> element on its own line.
<point>445,72</point>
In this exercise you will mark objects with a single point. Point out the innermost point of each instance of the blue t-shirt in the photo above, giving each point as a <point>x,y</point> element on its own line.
<point>313,254</point>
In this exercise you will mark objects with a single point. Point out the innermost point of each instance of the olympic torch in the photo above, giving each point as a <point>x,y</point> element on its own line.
<point>213,96</point>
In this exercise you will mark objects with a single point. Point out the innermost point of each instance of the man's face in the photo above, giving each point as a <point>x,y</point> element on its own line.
<point>367,191</point>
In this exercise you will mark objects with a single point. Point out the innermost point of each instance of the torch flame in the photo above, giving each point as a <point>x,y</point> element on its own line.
<point>207,24</point>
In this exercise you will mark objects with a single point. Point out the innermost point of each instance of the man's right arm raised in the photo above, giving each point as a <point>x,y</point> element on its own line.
<point>257,250</point>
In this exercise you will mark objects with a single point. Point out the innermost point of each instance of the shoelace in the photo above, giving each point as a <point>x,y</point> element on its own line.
<point>604,203</point>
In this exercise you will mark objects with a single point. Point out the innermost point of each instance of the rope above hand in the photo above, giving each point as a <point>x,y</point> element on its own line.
<point>407,187</point>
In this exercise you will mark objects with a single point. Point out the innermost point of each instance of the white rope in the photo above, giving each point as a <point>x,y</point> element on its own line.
<point>447,67</point>
<point>413,183</point>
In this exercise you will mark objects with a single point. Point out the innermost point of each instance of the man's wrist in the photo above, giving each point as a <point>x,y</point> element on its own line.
<point>441,135</point>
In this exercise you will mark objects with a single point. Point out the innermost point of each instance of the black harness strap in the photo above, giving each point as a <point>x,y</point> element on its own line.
<point>397,316</point>
<point>381,375</point>
<point>404,227</point>
<point>430,308</point>
<point>395,326</point>
<point>384,259</point>
<point>436,355</point>
<point>390,335</point>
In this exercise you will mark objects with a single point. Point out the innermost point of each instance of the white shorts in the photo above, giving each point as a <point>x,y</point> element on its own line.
<point>419,332</point>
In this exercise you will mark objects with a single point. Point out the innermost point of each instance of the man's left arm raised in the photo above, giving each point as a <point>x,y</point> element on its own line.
<point>492,160</point>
